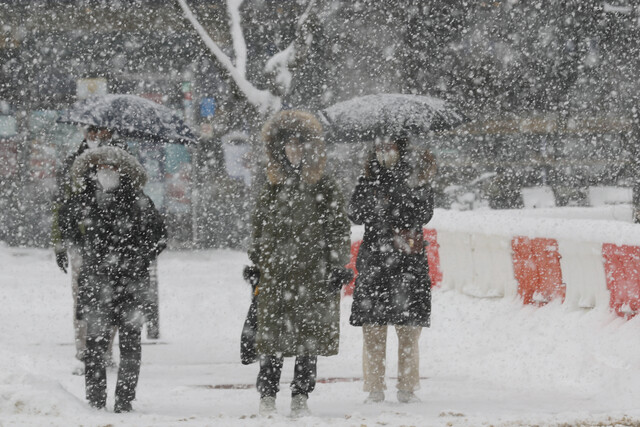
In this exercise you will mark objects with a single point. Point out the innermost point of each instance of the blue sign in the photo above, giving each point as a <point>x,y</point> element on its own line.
<point>207,107</point>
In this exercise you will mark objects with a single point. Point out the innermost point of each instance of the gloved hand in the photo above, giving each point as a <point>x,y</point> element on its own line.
<point>62,260</point>
<point>339,277</point>
<point>251,275</point>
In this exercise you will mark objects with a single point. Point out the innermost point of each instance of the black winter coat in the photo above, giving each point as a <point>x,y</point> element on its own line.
<point>64,187</point>
<point>119,234</point>
<point>393,287</point>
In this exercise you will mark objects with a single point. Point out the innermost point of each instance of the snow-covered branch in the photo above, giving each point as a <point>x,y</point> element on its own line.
<point>279,64</point>
<point>303,18</point>
<point>264,101</point>
<point>239,45</point>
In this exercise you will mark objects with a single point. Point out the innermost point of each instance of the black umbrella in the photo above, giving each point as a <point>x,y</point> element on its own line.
<point>131,116</point>
<point>366,117</point>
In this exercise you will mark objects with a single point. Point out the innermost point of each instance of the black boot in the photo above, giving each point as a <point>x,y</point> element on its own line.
<point>129,371</point>
<point>122,406</point>
<point>153,331</point>
<point>96,388</point>
<point>95,376</point>
<point>97,403</point>
<point>96,391</point>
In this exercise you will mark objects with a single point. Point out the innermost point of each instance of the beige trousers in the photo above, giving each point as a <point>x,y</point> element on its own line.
<point>374,354</point>
<point>79,326</point>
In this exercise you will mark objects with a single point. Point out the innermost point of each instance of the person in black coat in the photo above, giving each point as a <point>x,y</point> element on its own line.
<point>119,233</point>
<point>68,254</point>
<point>393,200</point>
<point>94,137</point>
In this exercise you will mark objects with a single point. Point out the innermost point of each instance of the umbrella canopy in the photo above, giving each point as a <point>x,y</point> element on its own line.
<point>366,117</point>
<point>131,116</point>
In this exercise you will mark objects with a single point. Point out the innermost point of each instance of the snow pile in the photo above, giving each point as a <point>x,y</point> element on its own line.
<point>538,197</point>
<point>524,223</point>
<point>527,363</point>
<point>604,195</point>
<point>26,392</point>
<point>618,212</point>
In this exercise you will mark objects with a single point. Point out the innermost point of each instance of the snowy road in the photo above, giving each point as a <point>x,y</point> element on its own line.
<point>487,361</point>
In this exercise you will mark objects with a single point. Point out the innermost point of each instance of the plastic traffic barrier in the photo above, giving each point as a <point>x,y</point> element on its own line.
<point>622,272</point>
<point>536,264</point>
<point>433,256</point>
<point>355,247</point>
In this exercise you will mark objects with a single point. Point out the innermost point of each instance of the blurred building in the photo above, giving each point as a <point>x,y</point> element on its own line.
<point>53,53</point>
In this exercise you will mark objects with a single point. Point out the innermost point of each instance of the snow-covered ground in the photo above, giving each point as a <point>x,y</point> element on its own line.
<point>483,361</point>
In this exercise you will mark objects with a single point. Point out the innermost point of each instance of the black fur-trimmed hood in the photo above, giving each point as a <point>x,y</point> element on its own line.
<point>107,155</point>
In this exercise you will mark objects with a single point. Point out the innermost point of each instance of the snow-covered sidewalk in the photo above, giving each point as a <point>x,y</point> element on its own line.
<point>487,361</point>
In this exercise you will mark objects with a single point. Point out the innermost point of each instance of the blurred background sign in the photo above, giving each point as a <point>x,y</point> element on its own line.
<point>207,107</point>
<point>7,126</point>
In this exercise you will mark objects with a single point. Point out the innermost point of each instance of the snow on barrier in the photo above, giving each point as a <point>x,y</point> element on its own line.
<point>580,261</point>
<point>476,264</point>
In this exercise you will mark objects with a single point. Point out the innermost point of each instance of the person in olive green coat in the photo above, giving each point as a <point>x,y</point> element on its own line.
<point>300,246</point>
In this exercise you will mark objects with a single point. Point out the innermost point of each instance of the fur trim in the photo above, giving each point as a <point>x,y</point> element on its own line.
<point>308,130</point>
<point>107,155</point>
<point>429,167</point>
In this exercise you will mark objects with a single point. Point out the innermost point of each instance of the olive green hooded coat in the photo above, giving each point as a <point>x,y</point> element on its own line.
<point>300,233</point>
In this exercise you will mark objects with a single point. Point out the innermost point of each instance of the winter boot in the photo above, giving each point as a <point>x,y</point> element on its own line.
<point>299,406</point>
<point>375,397</point>
<point>122,406</point>
<point>153,331</point>
<point>127,380</point>
<point>96,386</point>
<point>267,405</point>
<point>97,397</point>
<point>407,397</point>
<point>97,404</point>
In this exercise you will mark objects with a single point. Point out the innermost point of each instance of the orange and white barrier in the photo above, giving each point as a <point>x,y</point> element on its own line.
<point>583,263</point>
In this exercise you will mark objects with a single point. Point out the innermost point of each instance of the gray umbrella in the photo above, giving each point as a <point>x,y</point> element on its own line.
<point>367,116</point>
<point>130,116</point>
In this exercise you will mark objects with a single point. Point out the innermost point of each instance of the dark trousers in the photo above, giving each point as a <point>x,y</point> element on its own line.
<point>128,317</point>
<point>304,376</point>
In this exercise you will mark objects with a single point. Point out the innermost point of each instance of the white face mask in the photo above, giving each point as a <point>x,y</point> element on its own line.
<point>387,158</point>
<point>108,179</point>
<point>93,143</point>
<point>294,154</point>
